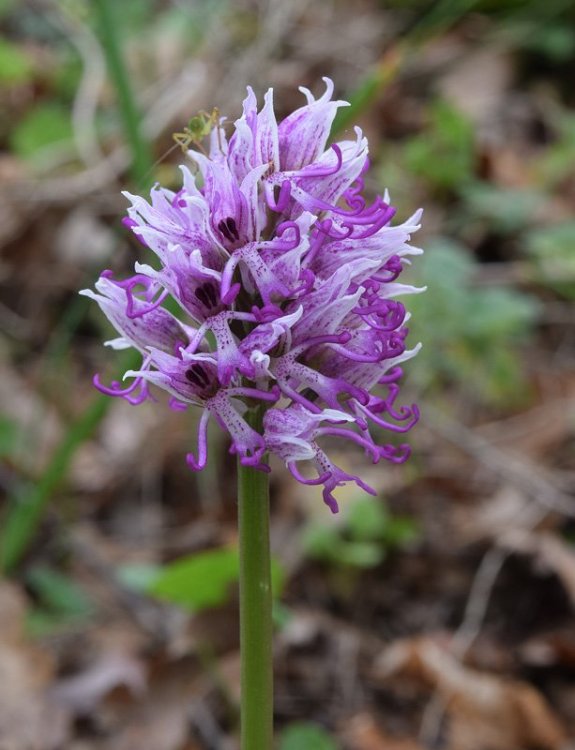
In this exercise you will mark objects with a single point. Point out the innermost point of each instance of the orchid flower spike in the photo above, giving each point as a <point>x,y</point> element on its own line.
<point>286,280</point>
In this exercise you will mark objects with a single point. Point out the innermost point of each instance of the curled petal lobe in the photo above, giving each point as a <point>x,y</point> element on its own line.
<point>199,463</point>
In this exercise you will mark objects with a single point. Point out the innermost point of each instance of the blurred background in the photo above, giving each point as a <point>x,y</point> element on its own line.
<point>438,615</point>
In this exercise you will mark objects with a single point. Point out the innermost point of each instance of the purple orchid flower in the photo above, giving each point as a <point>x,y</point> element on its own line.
<point>286,279</point>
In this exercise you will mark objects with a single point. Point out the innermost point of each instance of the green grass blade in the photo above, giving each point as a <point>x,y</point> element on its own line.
<point>27,506</point>
<point>142,162</point>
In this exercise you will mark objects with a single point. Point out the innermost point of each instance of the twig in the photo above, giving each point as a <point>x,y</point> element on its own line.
<point>533,482</point>
<point>542,493</point>
<point>470,627</point>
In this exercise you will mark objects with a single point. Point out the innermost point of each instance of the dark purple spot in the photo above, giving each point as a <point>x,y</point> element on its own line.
<point>197,376</point>
<point>207,295</point>
<point>233,229</point>
<point>212,294</point>
<point>200,294</point>
<point>223,227</point>
<point>193,378</point>
<point>229,229</point>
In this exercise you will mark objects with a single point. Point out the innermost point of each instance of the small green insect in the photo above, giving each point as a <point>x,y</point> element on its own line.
<point>198,128</point>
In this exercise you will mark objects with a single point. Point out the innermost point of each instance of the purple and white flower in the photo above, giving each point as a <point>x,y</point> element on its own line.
<point>286,279</point>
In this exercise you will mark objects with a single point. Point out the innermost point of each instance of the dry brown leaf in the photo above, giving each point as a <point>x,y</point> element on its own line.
<point>362,733</point>
<point>478,85</point>
<point>29,720</point>
<point>484,710</point>
<point>13,214</point>
<point>82,692</point>
<point>122,434</point>
<point>229,671</point>
<point>535,432</point>
<point>83,240</point>
<point>160,719</point>
<point>39,422</point>
<point>508,509</point>
<point>555,647</point>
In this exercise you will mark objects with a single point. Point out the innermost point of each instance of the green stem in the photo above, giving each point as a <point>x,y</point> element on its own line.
<point>255,607</point>
<point>142,163</point>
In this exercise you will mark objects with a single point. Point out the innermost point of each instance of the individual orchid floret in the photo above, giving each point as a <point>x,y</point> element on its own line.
<point>284,281</point>
<point>193,378</point>
<point>141,323</point>
<point>304,133</point>
<point>292,434</point>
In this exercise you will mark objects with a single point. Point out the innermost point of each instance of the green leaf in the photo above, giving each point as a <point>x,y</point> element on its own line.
<point>306,736</point>
<point>363,539</point>
<point>6,6</point>
<point>58,593</point>
<point>444,154</point>
<point>367,519</point>
<point>281,615</point>
<point>557,42</point>
<point>361,554</point>
<point>369,522</point>
<point>322,541</point>
<point>205,579</point>
<point>15,66</point>
<point>555,163</point>
<point>138,576</point>
<point>65,78</point>
<point>553,250</point>
<point>470,333</point>
<point>500,312</point>
<point>46,125</point>
<point>401,530</point>
<point>8,436</point>
<point>508,210</point>
<point>200,581</point>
